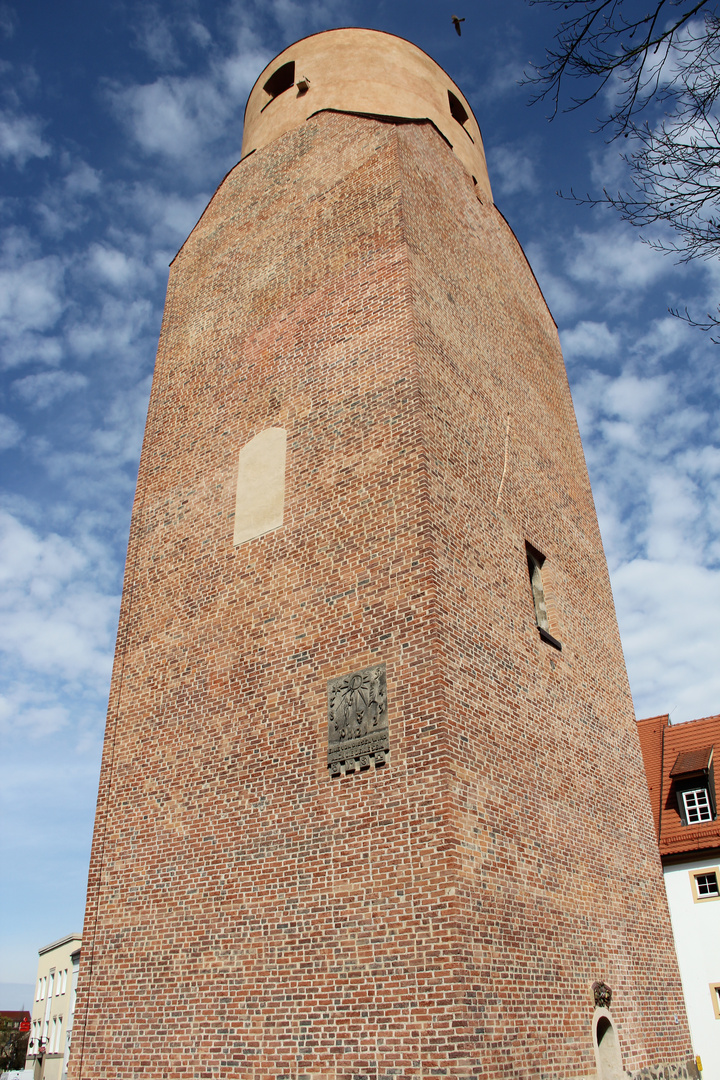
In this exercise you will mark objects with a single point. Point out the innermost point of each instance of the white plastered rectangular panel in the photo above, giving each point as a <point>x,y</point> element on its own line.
<point>260,492</point>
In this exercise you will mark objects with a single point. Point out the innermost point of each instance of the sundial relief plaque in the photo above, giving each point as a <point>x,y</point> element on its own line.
<point>357,720</point>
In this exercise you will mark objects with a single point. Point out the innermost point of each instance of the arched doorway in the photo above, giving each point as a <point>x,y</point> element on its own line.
<point>607,1048</point>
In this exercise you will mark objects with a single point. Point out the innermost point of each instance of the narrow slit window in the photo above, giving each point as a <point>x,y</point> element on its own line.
<point>280,80</point>
<point>535,563</point>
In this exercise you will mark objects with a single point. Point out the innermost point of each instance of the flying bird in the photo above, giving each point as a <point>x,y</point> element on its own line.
<point>456,23</point>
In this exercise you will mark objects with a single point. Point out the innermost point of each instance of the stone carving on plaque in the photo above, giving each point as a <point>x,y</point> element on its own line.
<point>357,720</point>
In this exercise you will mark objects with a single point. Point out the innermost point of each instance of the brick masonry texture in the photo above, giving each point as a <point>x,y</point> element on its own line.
<point>445,915</point>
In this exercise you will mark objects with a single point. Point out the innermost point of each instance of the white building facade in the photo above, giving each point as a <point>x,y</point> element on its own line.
<point>684,787</point>
<point>53,1008</point>
<point>693,891</point>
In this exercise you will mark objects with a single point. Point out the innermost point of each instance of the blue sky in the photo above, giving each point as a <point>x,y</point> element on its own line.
<point>117,121</point>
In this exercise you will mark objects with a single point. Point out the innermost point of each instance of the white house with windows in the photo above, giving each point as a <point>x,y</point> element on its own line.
<point>53,1008</point>
<point>679,765</point>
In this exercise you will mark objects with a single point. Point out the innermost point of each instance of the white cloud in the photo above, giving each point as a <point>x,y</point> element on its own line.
<point>589,339</point>
<point>64,204</point>
<point>177,117</point>
<point>55,619</point>
<point>31,300</point>
<point>296,18</point>
<point>28,561</point>
<point>634,398</point>
<point>199,33</point>
<point>615,258</point>
<point>608,168</point>
<point>668,614</point>
<point>33,712</point>
<point>666,335</point>
<point>21,138</point>
<point>168,215</point>
<point>121,436</point>
<point>10,432</point>
<point>173,116</point>
<point>8,20</point>
<point>99,470</point>
<point>113,329</point>
<point>511,170</point>
<point>155,37</point>
<point>22,348</point>
<point>82,179</point>
<point>43,389</point>
<point>562,298</point>
<point>116,268</point>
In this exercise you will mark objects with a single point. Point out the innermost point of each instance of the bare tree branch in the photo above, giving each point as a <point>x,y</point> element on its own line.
<point>661,58</point>
<point>711,322</point>
<point>597,42</point>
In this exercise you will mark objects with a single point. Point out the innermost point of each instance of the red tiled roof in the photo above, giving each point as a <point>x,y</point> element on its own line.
<point>672,749</point>
<point>692,761</point>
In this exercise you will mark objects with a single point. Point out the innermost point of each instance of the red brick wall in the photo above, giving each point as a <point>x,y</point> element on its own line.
<point>448,913</point>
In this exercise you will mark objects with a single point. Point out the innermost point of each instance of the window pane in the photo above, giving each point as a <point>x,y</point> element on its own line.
<point>697,805</point>
<point>707,884</point>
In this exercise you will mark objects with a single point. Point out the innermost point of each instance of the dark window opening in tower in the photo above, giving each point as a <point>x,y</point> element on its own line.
<point>280,80</point>
<point>459,113</point>
<point>457,109</point>
<point>535,562</point>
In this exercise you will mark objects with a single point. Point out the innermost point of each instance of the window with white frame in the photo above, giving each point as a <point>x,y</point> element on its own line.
<point>697,805</point>
<point>64,980</point>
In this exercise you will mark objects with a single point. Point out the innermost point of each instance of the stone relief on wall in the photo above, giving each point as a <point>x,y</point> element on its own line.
<point>602,994</point>
<point>357,720</point>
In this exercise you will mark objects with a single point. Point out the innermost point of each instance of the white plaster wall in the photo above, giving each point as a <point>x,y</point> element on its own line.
<point>696,928</point>
<point>56,958</point>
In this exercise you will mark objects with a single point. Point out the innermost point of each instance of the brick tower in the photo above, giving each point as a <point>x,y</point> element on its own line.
<point>372,803</point>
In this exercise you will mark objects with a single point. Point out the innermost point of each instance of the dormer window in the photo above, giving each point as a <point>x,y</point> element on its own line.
<point>694,781</point>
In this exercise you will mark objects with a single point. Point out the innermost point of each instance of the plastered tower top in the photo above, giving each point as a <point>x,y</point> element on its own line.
<point>368,72</point>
